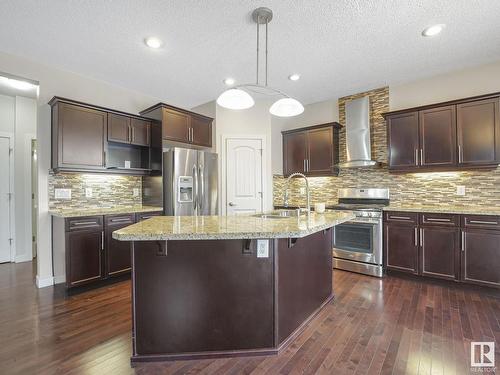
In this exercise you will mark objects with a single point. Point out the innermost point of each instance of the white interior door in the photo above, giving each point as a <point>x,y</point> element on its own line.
<point>244,180</point>
<point>5,200</point>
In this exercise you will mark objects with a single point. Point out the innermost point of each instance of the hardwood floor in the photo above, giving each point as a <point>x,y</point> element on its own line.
<point>391,326</point>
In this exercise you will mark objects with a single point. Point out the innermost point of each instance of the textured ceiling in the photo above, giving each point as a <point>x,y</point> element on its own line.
<point>338,46</point>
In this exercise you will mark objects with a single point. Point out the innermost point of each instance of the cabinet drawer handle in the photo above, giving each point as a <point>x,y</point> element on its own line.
<point>120,220</point>
<point>463,241</point>
<point>400,217</point>
<point>439,220</point>
<point>483,222</point>
<point>102,240</point>
<point>460,154</point>
<point>416,237</point>
<point>146,217</point>
<point>77,223</point>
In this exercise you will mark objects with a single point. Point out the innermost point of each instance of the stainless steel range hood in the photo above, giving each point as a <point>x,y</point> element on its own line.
<point>357,118</point>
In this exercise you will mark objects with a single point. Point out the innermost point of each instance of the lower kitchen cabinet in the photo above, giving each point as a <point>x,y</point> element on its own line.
<point>118,254</point>
<point>463,248</point>
<point>400,247</point>
<point>481,257</point>
<point>439,252</point>
<point>84,250</point>
<point>84,257</point>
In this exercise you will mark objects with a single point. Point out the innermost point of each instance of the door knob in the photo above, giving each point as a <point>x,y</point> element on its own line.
<point>231,204</point>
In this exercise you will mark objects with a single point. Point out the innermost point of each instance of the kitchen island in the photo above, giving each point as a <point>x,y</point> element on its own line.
<point>217,286</point>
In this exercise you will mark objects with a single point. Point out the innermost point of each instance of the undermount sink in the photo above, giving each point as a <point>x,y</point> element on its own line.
<point>279,214</point>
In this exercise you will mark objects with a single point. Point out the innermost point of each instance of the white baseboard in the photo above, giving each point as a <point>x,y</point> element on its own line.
<point>24,258</point>
<point>59,279</point>
<point>42,283</point>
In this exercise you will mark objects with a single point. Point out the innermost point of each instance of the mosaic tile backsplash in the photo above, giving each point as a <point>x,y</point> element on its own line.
<point>107,190</point>
<point>436,189</point>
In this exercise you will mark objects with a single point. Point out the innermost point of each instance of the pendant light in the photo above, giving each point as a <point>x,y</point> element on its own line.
<point>238,96</point>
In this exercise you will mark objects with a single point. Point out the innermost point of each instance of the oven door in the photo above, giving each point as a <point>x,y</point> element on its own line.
<point>358,240</point>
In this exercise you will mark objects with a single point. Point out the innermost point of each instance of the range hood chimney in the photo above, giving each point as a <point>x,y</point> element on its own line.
<point>357,118</point>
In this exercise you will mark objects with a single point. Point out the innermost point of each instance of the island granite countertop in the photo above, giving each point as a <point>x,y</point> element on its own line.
<point>80,212</point>
<point>229,227</point>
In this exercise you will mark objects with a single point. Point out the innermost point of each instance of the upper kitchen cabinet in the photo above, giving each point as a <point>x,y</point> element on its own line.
<point>78,136</point>
<point>402,134</point>
<point>96,139</point>
<point>313,150</point>
<point>460,134</point>
<point>478,129</point>
<point>181,126</point>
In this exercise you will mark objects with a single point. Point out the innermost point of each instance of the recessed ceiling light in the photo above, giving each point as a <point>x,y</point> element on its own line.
<point>153,42</point>
<point>433,30</point>
<point>229,81</point>
<point>294,77</point>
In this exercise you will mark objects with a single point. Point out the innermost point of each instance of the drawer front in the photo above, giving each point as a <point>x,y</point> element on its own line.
<point>84,223</point>
<point>447,220</point>
<point>481,221</point>
<point>146,215</point>
<point>401,217</point>
<point>119,219</point>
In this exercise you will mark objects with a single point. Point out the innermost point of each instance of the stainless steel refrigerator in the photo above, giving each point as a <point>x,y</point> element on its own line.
<point>190,182</point>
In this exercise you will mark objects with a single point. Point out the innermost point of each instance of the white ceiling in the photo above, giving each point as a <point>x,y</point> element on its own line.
<point>338,46</point>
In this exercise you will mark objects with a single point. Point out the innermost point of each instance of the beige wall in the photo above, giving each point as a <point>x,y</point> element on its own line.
<point>473,81</point>
<point>62,83</point>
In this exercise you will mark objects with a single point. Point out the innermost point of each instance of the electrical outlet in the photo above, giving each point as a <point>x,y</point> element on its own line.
<point>262,249</point>
<point>460,190</point>
<point>88,192</point>
<point>62,193</point>
<point>135,192</point>
<point>127,163</point>
<point>302,190</point>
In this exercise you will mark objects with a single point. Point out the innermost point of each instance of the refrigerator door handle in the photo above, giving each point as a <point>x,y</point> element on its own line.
<point>195,183</point>
<point>202,189</point>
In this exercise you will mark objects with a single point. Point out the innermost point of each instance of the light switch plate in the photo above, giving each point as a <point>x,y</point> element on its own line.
<point>460,190</point>
<point>88,192</point>
<point>302,190</point>
<point>135,192</point>
<point>262,249</point>
<point>62,193</point>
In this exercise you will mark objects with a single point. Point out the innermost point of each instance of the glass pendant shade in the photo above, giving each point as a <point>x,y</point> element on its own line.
<point>235,99</point>
<point>286,107</point>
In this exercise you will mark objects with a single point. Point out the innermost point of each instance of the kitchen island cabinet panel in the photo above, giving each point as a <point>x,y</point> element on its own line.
<point>223,297</point>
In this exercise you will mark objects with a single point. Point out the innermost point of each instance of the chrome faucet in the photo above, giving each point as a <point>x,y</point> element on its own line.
<point>308,197</point>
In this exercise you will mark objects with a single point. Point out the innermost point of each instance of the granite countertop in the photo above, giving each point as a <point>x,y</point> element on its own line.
<point>79,212</point>
<point>229,227</point>
<point>450,209</point>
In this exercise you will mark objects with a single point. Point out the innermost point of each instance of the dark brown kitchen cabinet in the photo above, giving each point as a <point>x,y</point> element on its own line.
<point>201,133</point>
<point>118,128</point>
<point>140,132</point>
<point>480,250</point>
<point>438,137</point>
<point>78,137</point>
<point>460,134</point>
<point>313,150</point>
<point>91,138</point>
<point>478,128</point>
<point>462,248</point>
<point>180,125</point>
<point>439,251</point>
<point>118,253</point>
<point>401,247</point>
<point>403,137</point>
<point>294,153</point>
<point>84,250</point>
<point>176,126</point>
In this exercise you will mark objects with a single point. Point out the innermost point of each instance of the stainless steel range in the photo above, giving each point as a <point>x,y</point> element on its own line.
<point>357,244</point>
